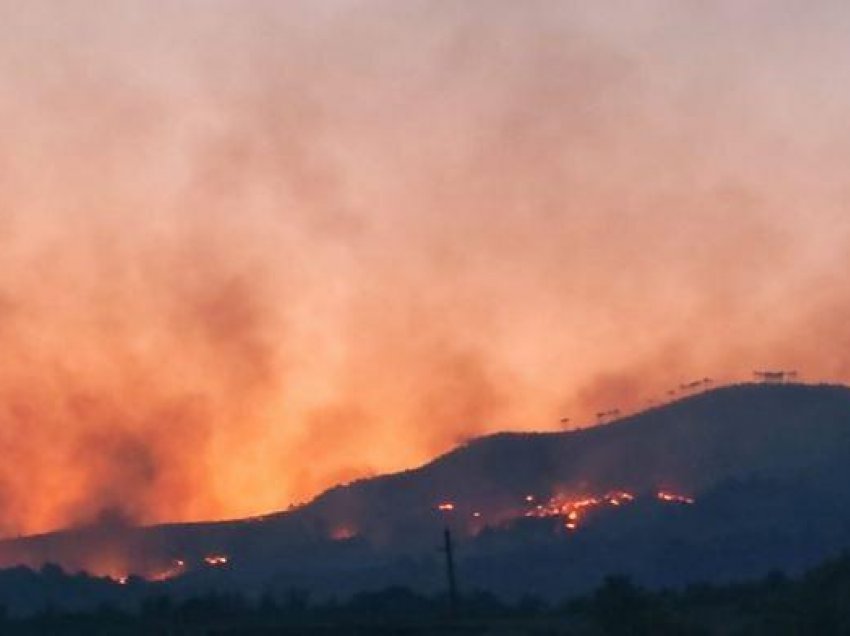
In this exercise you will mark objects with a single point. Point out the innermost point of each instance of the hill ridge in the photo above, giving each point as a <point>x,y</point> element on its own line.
<point>752,456</point>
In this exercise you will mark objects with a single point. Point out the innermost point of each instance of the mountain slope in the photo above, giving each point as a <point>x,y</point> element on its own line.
<point>767,464</point>
<point>751,431</point>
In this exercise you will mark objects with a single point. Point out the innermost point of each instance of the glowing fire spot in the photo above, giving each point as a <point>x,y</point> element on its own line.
<point>176,569</point>
<point>446,507</point>
<point>670,497</point>
<point>529,498</point>
<point>216,560</point>
<point>343,533</point>
<point>476,514</point>
<point>122,580</point>
<point>571,510</point>
<point>619,497</point>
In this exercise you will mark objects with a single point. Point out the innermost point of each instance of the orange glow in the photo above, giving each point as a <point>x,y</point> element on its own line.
<point>343,533</point>
<point>177,567</point>
<point>571,510</point>
<point>446,507</point>
<point>216,560</point>
<point>670,497</point>
<point>222,292</point>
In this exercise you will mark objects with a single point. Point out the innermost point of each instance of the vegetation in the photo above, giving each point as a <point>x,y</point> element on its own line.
<point>815,603</point>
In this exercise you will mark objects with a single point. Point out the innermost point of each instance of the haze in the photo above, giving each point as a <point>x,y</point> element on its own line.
<point>251,249</point>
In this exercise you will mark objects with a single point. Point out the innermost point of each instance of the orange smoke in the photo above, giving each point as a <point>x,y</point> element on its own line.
<point>251,250</point>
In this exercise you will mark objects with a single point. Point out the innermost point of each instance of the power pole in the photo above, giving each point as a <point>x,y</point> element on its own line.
<point>450,571</point>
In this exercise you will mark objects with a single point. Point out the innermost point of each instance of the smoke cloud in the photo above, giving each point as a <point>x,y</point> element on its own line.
<point>252,249</point>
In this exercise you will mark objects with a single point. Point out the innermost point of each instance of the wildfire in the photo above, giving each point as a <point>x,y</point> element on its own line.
<point>216,560</point>
<point>670,497</point>
<point>446,507</point>
<point>177,568</point>
<point>571,510</point>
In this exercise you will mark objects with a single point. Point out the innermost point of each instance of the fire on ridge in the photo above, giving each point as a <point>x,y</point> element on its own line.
<point>176,568</point>
<point>572,510</point>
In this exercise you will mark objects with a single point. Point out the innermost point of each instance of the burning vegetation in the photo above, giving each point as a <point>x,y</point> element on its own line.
<point>573,510</point>
<point>216,560</point>
<point>176,568</point>
<point>671,497</point>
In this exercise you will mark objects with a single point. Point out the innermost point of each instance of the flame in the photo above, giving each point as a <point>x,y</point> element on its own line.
<point>670,497</point>
<point>216,560</point>
<point>178,566</point>
<point>174,569</point>
<point>571,510</point>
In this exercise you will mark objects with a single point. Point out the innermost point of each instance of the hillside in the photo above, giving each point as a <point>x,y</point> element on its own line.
<point>767,466</point>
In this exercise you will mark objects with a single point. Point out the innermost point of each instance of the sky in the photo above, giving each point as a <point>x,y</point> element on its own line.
<point>251,249</point>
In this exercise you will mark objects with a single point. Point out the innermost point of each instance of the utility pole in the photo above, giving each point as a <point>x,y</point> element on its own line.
<point>450,571</point>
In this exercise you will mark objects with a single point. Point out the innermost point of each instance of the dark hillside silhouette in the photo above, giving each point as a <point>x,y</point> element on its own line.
<point>768,466</point>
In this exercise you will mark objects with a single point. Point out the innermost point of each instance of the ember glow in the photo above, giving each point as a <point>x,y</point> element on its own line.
<point>343,533</point>
<point>671,497</point>
<point>250,250</point>
<point>177,567</point>
<point>216,560</point>
<point>573,510</point>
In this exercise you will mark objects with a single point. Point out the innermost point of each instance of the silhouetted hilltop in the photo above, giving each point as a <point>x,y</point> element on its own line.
<point>767,466</point>
<point>784,432</point>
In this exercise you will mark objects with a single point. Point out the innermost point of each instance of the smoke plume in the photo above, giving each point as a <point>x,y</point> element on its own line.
<point>250,249</point>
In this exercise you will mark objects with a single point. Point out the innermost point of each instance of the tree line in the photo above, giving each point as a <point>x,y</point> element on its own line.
<point>817,602</point>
